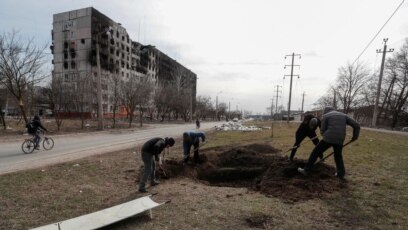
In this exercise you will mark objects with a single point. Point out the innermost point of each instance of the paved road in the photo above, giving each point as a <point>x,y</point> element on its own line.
<point>71,147</point>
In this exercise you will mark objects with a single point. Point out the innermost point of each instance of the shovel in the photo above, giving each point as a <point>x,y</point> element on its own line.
<point>324,158</point>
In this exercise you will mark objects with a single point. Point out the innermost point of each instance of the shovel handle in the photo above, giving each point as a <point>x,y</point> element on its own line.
<point>324,158</point>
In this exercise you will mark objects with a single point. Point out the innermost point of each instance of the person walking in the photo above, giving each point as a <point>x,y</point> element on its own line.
<point>152,147</point>
<point>34,128</point>
<point>333,129</point>
<point>306,129</point>
<point>197,123</point>
<point>192,138</point>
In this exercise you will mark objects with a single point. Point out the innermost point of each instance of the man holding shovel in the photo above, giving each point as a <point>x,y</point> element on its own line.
<point>333,129</point>
<point>306,129</point>
<point>192,138</point>
<point>151,148</point>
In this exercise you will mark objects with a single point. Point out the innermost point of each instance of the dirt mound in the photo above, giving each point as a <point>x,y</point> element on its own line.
<point>281,179</point>
<point>258,167</point>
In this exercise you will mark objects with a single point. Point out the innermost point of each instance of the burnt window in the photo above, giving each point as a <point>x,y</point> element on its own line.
<point>117,53</point>
<point>127,48</point>
<point>83,41</point>
<point>112,50</point>
<point>117,34</point>
<point>65,45</point>
<point>73,65</point>
<point>65,54</point>
<point>65,65</point>
<point>73,53</point>
<point>123,38</point>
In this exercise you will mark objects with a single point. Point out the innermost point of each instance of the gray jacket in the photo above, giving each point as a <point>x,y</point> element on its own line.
<point>334,125</point>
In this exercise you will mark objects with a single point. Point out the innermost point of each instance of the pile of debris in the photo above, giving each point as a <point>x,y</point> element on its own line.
<point>236,126</point>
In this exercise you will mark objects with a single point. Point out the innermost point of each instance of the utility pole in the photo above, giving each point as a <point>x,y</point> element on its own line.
<point>271,108</point>
<point>291,77</point>
<point>377,98</point>
<point>303,100</point>
<point>277,96</point>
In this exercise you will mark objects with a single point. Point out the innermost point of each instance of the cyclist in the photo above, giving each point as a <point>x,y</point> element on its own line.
<point>36,123</point>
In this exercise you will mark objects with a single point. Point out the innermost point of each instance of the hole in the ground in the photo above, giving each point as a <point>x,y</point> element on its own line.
<point>258,167</point>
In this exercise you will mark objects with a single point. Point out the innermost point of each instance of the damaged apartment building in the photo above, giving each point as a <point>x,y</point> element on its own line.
<point>77,34</point>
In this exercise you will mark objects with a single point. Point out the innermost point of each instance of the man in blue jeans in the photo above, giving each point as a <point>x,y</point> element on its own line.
<point>333,129</point>
<point>151,148</point>
<point>192,138</point>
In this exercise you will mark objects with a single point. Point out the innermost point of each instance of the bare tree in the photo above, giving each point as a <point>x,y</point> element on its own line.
<point>59,99</point>
<point>115,96</point>
<point>396,95</point>
<point>204,107</point>
<point>20,66</point>
<point>329,99</point>
<point>129,97</point>
<point>350,82</point>
<point>162,99</point>
<point>3,98</point>
<point>144,92</point>
<point>183,93</point>
<point>81,95</point>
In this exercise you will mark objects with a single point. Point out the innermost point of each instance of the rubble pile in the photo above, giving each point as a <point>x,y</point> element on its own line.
<point>236,126</point>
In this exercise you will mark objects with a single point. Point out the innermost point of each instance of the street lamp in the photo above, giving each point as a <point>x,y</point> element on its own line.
<point>216,105</point>
<point>106,31</point>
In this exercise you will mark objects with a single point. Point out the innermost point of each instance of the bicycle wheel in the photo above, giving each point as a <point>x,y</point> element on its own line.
<point>27,146</point>
<point>48,143</point>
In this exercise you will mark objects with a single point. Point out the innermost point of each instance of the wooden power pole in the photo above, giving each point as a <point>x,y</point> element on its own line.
<point>291,77</point>
<point>377,98</point>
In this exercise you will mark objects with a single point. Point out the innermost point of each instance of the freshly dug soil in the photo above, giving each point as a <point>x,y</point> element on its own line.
<point>258,167</point>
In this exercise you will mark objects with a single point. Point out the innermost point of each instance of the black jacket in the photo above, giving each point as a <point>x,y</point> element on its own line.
<point>304,127</point>
<point>154,146</point>
<point>37,124</point>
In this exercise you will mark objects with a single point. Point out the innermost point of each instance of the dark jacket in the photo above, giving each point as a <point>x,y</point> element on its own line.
<point>193,136</point>
<point>37,124</point>
<point>154,146</point>
<point>334,124</point>
<point>304,127</point>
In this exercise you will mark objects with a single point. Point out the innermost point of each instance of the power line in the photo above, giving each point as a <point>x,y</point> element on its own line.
<point>395,11</point>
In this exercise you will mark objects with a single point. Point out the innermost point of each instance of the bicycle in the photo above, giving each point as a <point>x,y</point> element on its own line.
<point>28,145</point>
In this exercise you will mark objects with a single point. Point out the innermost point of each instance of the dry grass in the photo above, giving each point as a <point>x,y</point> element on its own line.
<point>376,197</point>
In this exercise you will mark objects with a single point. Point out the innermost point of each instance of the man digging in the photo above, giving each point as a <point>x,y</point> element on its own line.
<point>151,148</point>
<point>333,129</point>
<point>192,138</point>
<point>306,129</point>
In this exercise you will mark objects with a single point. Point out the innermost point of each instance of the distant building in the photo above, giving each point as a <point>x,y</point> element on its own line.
<point>75,36</point>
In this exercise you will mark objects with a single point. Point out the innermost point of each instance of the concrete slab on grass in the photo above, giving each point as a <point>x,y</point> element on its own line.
<point>107,216</point>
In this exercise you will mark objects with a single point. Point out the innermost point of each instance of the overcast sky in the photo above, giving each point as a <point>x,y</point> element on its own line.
<point>239,46</point>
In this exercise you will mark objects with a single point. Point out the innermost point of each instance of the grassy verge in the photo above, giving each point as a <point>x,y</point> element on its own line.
<point>375,199</point>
